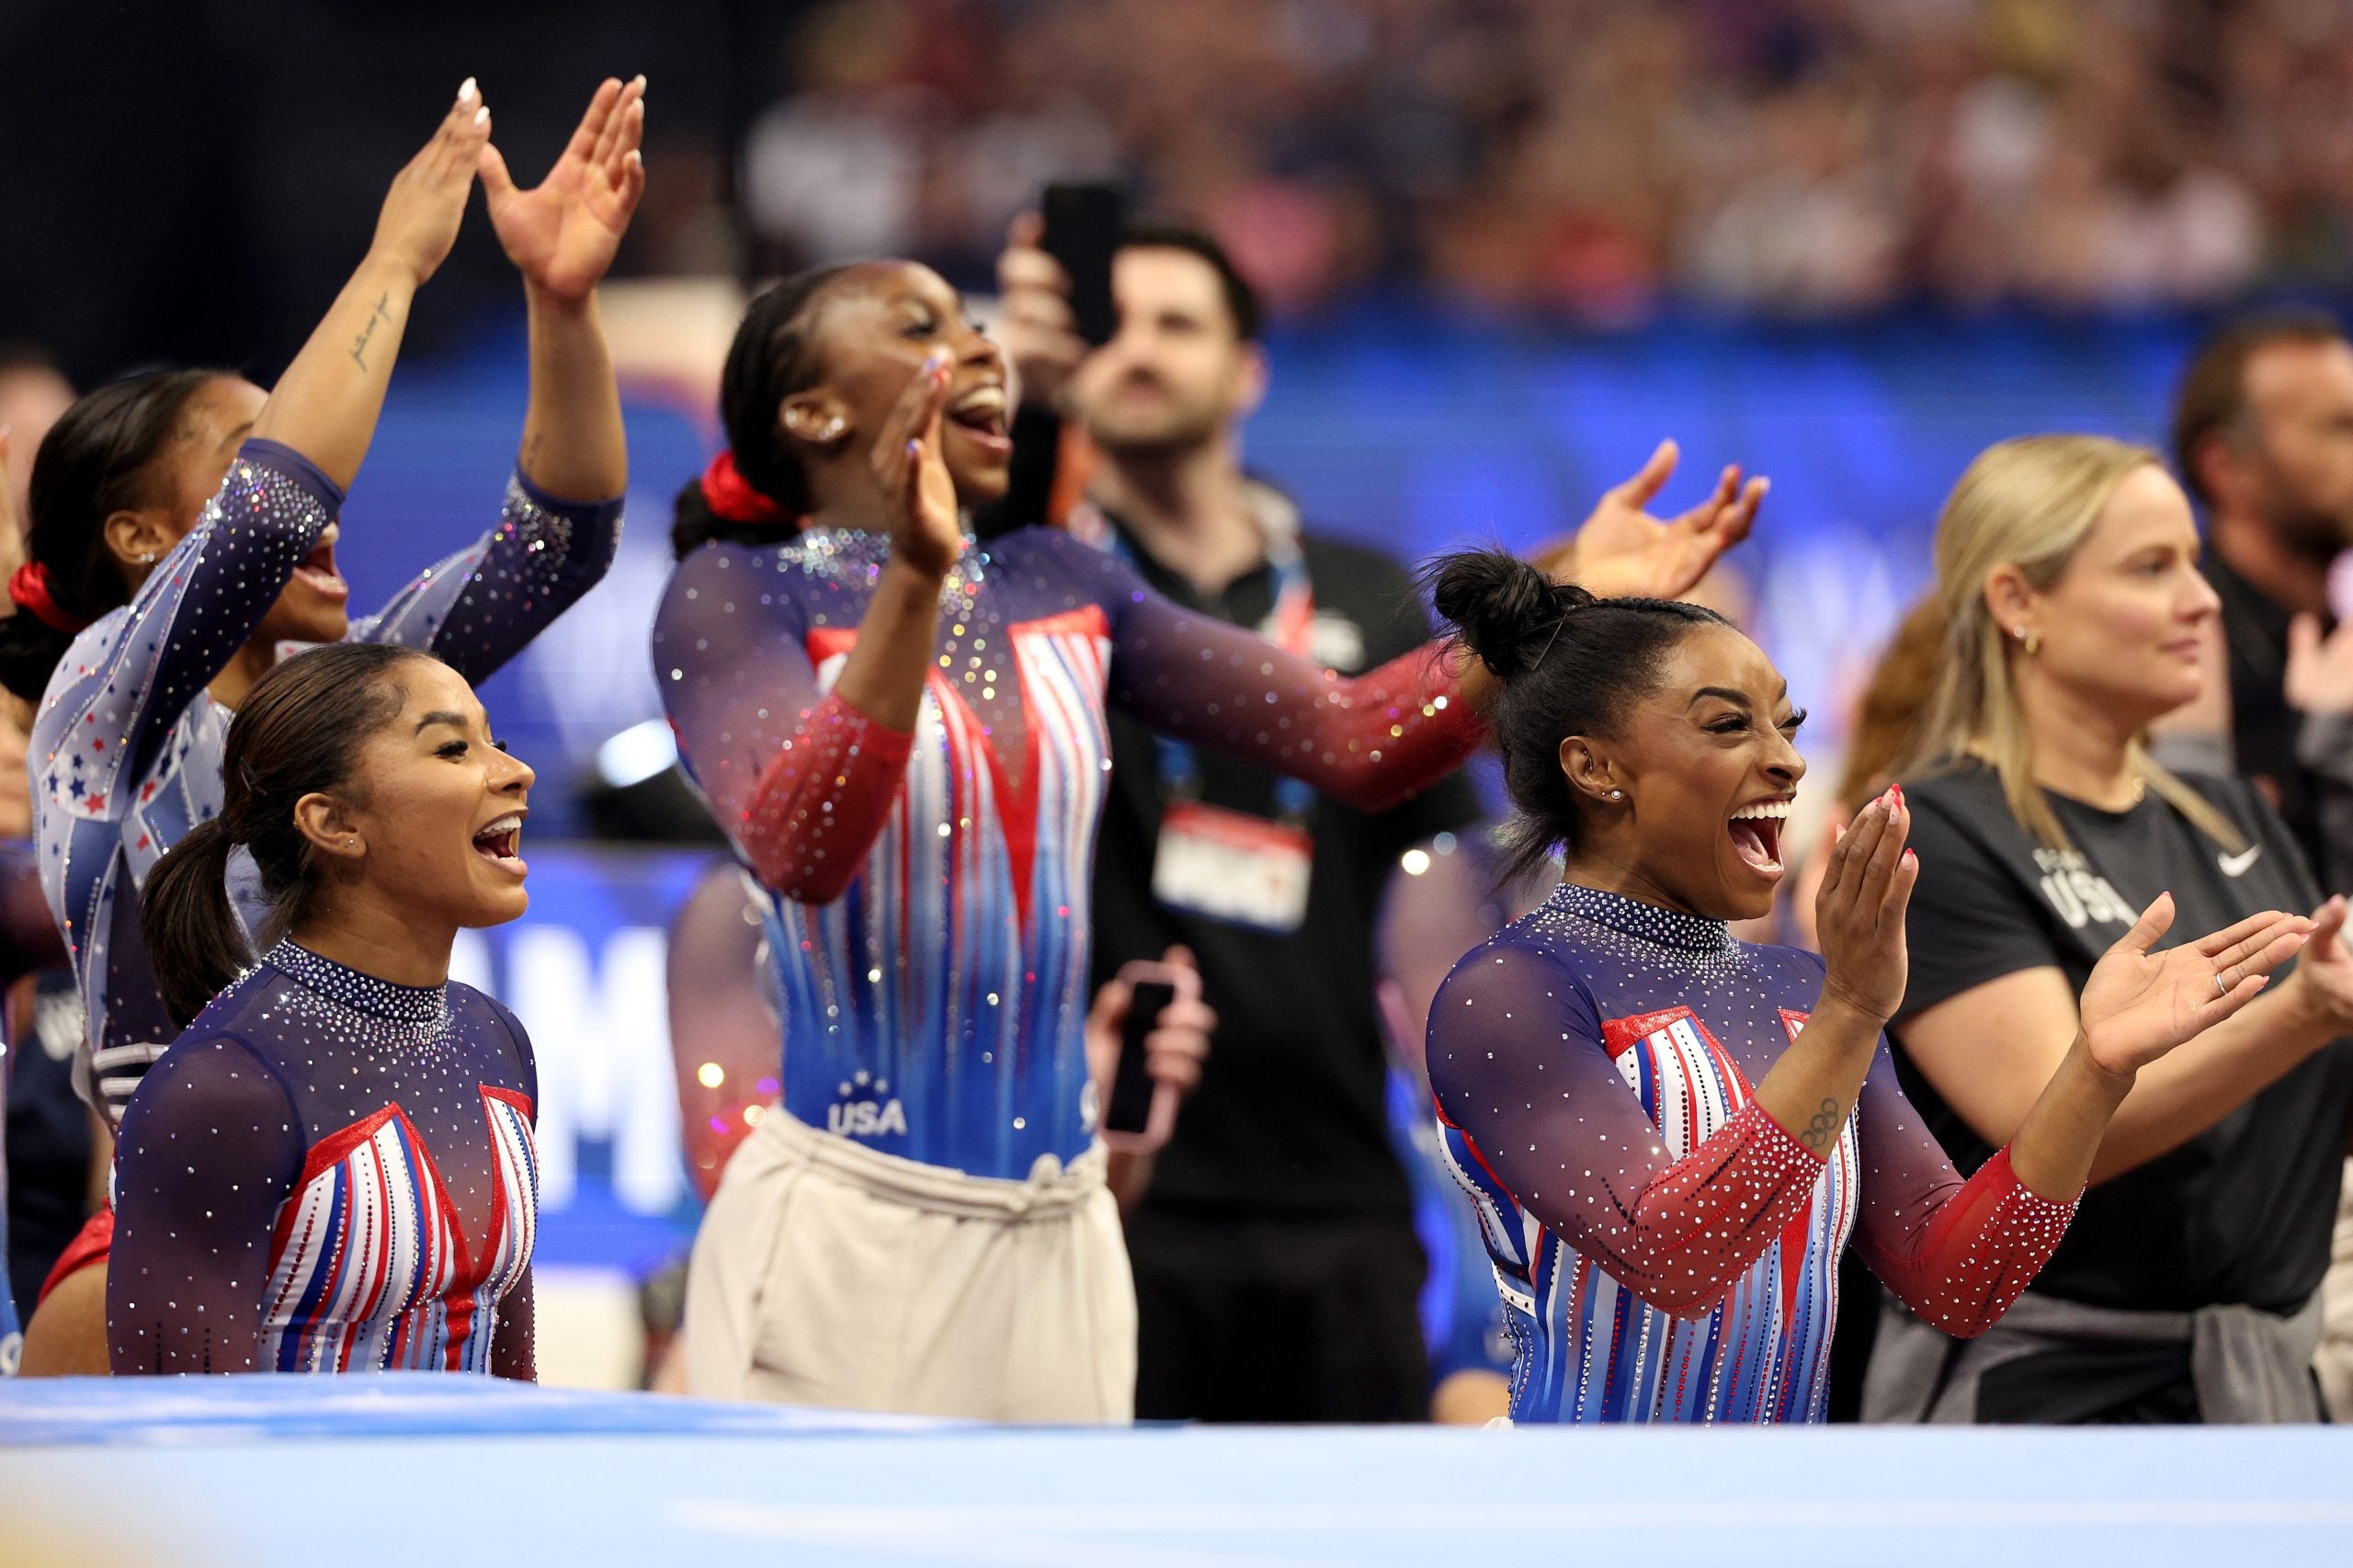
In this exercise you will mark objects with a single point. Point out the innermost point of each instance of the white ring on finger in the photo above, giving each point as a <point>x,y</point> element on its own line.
<point>2221,988</point>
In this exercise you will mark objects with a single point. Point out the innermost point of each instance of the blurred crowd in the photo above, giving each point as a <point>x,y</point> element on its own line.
<point>1595,160</point>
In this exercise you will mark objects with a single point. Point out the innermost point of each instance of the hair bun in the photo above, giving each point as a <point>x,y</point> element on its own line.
<point>1501,608</point>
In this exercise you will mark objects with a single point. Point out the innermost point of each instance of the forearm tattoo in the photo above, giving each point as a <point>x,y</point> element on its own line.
<point>1822,1130</point>
<point>359,344</point>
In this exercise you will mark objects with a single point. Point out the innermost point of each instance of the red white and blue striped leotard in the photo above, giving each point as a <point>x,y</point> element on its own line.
<point>929,939</point>
<point>1665,1249</point>
<point>329,1173</point>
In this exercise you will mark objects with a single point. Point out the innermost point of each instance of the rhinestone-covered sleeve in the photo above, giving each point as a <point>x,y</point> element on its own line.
<point>479,608</point>
<point>127,680</point>
<point>1369,740</point>
<point>801,782</point>
<point>208,1150</point>
<point>1519,1065</point>
<point>1957,1252</point>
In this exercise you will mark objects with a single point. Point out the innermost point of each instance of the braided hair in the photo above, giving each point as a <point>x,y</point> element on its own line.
<point>756,488</point>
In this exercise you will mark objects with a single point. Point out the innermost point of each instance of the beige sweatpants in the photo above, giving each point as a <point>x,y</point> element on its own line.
<point>827,1274</point>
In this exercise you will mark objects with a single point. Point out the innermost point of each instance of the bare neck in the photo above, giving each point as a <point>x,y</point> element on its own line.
<point>2083,749</point>
<point>245,666</point>
<point>363,930</point>
<point>1605,864</point>
<point>2288,577</point>
<point>1186,509</point>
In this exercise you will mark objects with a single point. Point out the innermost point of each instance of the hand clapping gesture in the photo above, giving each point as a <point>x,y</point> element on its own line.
<point>561,233</point>
<point>1859,914</point>
<point>2320,669</point>
<point>927,529</point>
<point>2139,1005</point>
<point>419,219</point>
<point>1621,552</point>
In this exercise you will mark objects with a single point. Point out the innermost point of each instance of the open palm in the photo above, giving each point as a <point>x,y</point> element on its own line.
<point>561,233</point>
<point>1623,552</point>
<point>2139,1005</point>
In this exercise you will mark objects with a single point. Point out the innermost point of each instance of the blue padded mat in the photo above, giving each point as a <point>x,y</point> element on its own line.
<point>512,1477</point>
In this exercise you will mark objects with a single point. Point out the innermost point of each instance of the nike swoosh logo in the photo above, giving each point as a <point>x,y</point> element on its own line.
<point>2237,865</point>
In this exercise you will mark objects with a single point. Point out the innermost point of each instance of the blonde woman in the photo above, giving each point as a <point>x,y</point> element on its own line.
<point>2068,576</point>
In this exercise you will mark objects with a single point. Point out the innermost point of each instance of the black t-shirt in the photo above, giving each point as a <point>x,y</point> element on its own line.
<point>2264,728</point>
<point>1289,1117</point>
<point>2244,1212</point>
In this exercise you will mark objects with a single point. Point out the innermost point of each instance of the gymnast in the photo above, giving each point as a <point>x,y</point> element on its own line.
<point>331,1170</point>
<point>184,528</point>
<point>901,730</point>
<point>1671,1134</point>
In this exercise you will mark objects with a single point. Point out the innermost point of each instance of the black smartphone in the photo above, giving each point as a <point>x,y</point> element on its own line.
<point>1132,1086</point>
<point>1082,226</point>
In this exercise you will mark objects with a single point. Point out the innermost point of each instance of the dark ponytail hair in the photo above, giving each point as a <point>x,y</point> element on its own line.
<point>296,732</point>
<point>1570,664</point>
<point>768,361</point>
<point>95,462</point>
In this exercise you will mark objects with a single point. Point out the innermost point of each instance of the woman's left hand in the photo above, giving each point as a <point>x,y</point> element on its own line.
<point>1621,552</point>
<point>2139,1005</point>
<point>562,234</point>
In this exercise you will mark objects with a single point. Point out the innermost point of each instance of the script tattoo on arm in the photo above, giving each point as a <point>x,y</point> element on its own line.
<point>1822,1130</point>
<point>359,344</point>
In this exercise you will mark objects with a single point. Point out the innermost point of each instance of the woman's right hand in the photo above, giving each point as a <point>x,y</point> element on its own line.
<point>1859,914</point>
<point>2139,1005</point>
<point>419,219</point>
<point>927,530</point>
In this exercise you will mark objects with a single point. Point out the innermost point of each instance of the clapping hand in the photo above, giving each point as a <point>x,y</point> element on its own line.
<point>2320,669</point>
<point>419,219</point>
<point>2139,1005</point>
<point>561,234</point>
<point>1621,552</point>
<point>1859,914</point>
<point>927,529</point>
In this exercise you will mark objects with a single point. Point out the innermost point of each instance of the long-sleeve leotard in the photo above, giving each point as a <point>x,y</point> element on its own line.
<point>329,1173</point>
<point>929,909</point>
<point>1668,1251</point>
<point>127,744</point>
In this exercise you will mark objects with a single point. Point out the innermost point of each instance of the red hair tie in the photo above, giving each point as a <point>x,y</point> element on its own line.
<point>729,496</point>
<point>29,588</point>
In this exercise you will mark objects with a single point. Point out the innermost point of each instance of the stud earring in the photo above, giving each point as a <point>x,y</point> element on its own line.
<point>2030,641</point>
<point>1617,794</point>
<point>833,430</point>
<point>146,558</point>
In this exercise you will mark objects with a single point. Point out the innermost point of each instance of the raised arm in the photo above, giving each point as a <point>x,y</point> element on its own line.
<point>121,697</point>
<point>1369,740</point>
<point>207,1154</point>
<point>562,236</point>
<point>561,525</point>
<point>802,776</point>
<point>327,404</point>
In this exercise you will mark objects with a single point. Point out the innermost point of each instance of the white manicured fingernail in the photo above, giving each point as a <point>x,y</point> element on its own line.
<point>465,89</point>
<point>481,114</point>
<point>641,81</point>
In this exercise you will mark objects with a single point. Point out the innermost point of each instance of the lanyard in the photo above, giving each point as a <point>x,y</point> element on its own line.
<point>1290,625</point>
